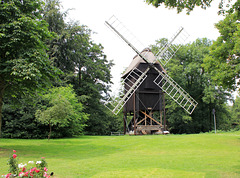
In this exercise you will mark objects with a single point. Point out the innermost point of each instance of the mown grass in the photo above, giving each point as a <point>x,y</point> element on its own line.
<point>199,155</point>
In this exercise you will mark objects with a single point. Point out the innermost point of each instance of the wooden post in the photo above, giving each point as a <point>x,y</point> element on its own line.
<point>124,122</point>
<point>145,119</point>
<point>134,113</point>
<point>160,107</point>
<point>164,111</point>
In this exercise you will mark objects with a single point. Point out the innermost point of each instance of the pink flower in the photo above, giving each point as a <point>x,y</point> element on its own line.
<point>45,169</point>
<point>14,156</point>
<point>8,175</point>
<point>14,151</point>
<point>37,171</point>
<point>43,157</point>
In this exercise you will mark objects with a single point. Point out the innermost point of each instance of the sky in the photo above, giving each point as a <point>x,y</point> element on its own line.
<point>146,22</point>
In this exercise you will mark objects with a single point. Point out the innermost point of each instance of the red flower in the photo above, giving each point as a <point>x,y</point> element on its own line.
<point>23,169</point>
<point>37,171</point>
<point>26,174</point>
<point>14,151</point>
<point>14,156</point>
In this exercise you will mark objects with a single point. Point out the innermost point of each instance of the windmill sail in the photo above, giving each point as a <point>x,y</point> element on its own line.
<point>126,35</point>
<point>137,77</point>
<point>134,79</point>
<point>169,49</point>
<point>177,93</point>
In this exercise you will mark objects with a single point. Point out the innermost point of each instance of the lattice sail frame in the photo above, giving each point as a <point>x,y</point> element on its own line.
<point>166,83</point>
<point>138,77</point>
<point>169,49</point>
<point>177,93</point>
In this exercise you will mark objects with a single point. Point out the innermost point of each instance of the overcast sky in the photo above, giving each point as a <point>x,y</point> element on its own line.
<point>145,21</point>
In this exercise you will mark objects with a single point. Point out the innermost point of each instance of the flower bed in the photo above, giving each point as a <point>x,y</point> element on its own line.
<point>33,169</point>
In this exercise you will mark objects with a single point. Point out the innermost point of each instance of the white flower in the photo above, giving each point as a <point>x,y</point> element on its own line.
<point>31,162</point>
<point>21,174</point>
<point>21,165</point>
<point>38,162</point>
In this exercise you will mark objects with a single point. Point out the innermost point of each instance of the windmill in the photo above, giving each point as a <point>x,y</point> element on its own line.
<point>146,82</point>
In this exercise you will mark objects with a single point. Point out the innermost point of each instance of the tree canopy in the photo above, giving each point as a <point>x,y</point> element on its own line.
<point>63,109</point>
<point>25,66</point>
<point>82,63</point>
<point>223,62</point>
<point>185,68</point>
<point>189,5</point>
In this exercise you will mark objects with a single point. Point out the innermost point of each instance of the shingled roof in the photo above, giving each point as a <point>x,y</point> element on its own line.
<point>147,53</point>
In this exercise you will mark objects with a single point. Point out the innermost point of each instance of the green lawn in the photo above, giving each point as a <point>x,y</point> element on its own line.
<point>200,155</point>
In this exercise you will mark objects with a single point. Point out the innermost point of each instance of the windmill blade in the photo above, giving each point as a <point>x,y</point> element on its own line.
<point>178,94</point>
<point>126,35</point>
<point>133,80</point>
<point>169,49</point>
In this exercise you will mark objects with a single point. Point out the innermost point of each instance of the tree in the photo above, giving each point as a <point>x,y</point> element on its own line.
<point>223,62</point>
<point>84,64</point>
<point>25,66</point>
<point>189,5</point>
<point>236,112</point>
<point>19,120</point>
<point>185,68</point>
<point>63,110</point>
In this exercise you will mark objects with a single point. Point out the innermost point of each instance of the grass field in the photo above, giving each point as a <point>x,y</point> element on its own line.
<point>200,155</point>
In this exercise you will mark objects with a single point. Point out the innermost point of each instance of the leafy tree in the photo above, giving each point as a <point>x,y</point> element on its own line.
<point>236,112</point>
<point>83,62</point>
<point>189,5</point>
<point>24,66</point>
<point>19,120</point>
<point>185,68</point>
<point>223,62</point>
<point>64,110</point>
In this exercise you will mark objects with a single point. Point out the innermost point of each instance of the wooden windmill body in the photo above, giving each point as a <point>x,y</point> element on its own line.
<point>146,100</point>
<point>146,82</point>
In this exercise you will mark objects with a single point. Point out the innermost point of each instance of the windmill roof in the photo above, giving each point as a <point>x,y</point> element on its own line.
<point>147,53</point>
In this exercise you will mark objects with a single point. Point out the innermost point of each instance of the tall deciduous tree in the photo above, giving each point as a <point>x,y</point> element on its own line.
<point>24,65</point>
<point>223,62</point>
<point>83,62</point>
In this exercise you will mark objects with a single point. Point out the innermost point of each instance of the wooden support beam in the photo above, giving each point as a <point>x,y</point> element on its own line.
<point>142,120</point>
<point>151,118</point>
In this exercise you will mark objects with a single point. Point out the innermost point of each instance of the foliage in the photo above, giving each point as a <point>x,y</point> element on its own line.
<point>20,170</point>
<point>24,65</point>
<point>223,61</point>
<point>84,64</point>
<point>19,119</point>
<point>191,155</point>
<point>63,110</point>
<point>189,5</point>
<point>236,113</point>
<point>185,68</point>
